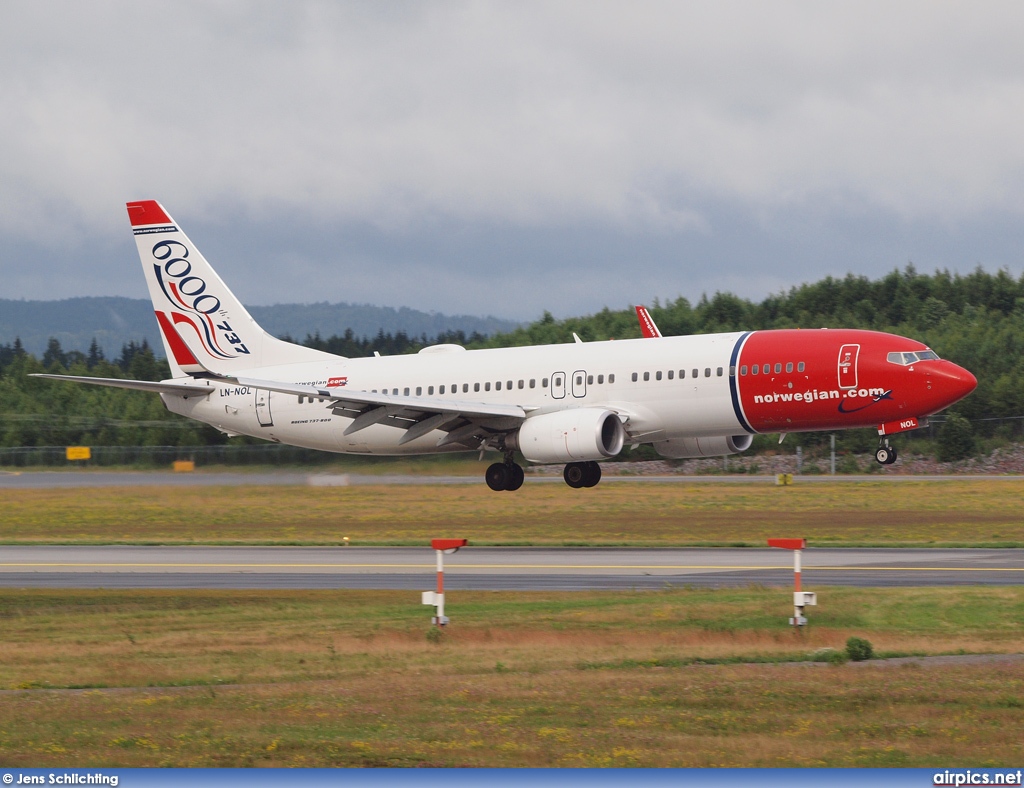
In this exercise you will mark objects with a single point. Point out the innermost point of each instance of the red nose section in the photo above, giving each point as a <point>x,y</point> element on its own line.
<point>953,383</point>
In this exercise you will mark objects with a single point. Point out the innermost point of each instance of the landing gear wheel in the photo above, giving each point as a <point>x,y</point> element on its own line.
<point>592,474</point>
<point>497,476</point>
<point>884,455</point>
<point>575,474</point>
<point>515,477</point>
<point>892,455</point>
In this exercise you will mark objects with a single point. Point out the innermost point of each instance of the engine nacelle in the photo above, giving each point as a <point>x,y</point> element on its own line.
<point>569,436</point>
<point>686,448</point>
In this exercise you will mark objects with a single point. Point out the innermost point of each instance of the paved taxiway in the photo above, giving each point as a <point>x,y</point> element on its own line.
<point>495,568</point>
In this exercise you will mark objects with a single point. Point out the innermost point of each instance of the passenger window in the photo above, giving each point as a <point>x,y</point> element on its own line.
<point>671,374</point>
<point>611,378</point>
<point>476,387</point>
<point>395,392</point>
<point>634,377</point>
<point>743,370</point>
<point>533,383</point>
<point>682,374</point>
<point>465,388</point>
<point>600,378</point>
<point>301,398</point>
<point>647,376</point>
<point>696,373</point>
<point>406,392</point>
<point>718,372</point>
<point>497,386</point>
<point>440,390</point>
<point>754,369</point>
<point>657,375</point>
<point>430,390</point>
<point>419,391</point>
<point>487,386</point>
<point>521,383</point>
<point>789,366</point>
<point>579,380</point>
<point>732,371</point>
<point>508,384</point>
<point>707,372</point>
<point>778,368</point>
<point>800,367</point>
<point>590,380</point>
<point>544,382</point>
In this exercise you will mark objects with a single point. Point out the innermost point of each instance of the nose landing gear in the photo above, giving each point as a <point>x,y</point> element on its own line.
<point>582,474</point>
<point>885,454</point>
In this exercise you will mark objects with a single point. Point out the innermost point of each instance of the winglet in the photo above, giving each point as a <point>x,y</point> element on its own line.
<point>647,326</point>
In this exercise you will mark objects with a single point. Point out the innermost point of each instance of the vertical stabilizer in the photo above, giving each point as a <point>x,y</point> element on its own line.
<point>203,326</point>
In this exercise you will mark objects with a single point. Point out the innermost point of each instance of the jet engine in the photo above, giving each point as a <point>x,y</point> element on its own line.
<point>685,448</point>
<point>569,436</point>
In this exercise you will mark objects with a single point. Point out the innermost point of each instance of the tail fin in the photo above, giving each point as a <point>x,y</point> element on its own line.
<point>203,326</point>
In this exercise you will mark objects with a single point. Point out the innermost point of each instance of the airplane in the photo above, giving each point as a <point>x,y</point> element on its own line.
<point>575,404</point>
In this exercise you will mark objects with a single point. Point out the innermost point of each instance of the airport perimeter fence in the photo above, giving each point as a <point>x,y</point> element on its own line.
<point>164,456</point>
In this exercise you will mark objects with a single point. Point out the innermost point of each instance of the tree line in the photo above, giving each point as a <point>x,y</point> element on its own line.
<point>975,320</point>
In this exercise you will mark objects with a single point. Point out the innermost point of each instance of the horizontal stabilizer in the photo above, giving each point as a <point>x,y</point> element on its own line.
<point>181,389</point>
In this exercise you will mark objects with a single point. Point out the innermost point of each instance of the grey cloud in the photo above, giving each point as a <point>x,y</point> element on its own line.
<point>446,151</point>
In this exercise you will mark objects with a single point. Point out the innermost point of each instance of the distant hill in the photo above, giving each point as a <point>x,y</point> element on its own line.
<point>115,321</point>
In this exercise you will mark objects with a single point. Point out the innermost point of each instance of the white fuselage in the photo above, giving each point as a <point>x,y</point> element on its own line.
<point>538,379</point>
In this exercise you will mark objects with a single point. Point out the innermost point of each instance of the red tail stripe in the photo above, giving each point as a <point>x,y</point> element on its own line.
<point>147,212</point>
<point>182,355</point>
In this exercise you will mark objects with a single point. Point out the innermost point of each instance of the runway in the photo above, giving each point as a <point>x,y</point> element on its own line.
<point>41,480</point>
<point>496,568</point>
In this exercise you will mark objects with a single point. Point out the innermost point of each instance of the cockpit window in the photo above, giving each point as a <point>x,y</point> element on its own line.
<point>906,359</point>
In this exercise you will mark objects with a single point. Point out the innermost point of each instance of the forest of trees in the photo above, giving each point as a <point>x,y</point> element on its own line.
<point>976,320</point>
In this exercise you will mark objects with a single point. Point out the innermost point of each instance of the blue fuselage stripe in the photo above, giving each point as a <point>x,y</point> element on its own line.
<point>734,383</point>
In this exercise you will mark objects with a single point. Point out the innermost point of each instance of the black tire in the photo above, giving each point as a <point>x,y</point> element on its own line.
<point>882,455</point>
<point>516,476</point>
<point>496,476</point>
<point>575,474</point>
<point>892,456</point>
<point>593,474</point>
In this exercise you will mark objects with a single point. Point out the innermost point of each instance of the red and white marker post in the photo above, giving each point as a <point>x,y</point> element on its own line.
<point>801,599</point>
<point>436,598</point>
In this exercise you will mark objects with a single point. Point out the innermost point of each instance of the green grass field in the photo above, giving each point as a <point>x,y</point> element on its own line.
<point>351,678</point>
<point>950,513</point>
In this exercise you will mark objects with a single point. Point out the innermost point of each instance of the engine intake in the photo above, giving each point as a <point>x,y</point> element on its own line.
<point>686,448</point>
<point>569,436</point>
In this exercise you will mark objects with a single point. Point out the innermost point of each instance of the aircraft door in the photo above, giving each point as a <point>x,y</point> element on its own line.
<point>848,355</point>
<point>263,408</point>
<point>579,383</point>
<point>557,385</point>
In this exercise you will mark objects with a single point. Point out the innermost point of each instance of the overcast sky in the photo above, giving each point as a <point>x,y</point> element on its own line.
<point>507,158</point>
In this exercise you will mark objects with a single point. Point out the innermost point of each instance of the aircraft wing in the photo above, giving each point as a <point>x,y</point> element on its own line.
<point>466,421</point>
<point>185,389</point>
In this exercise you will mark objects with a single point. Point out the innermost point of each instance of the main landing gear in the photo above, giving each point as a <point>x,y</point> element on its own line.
<point>885,454</point>
<point>506,475</point>
<point>582,474</point>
